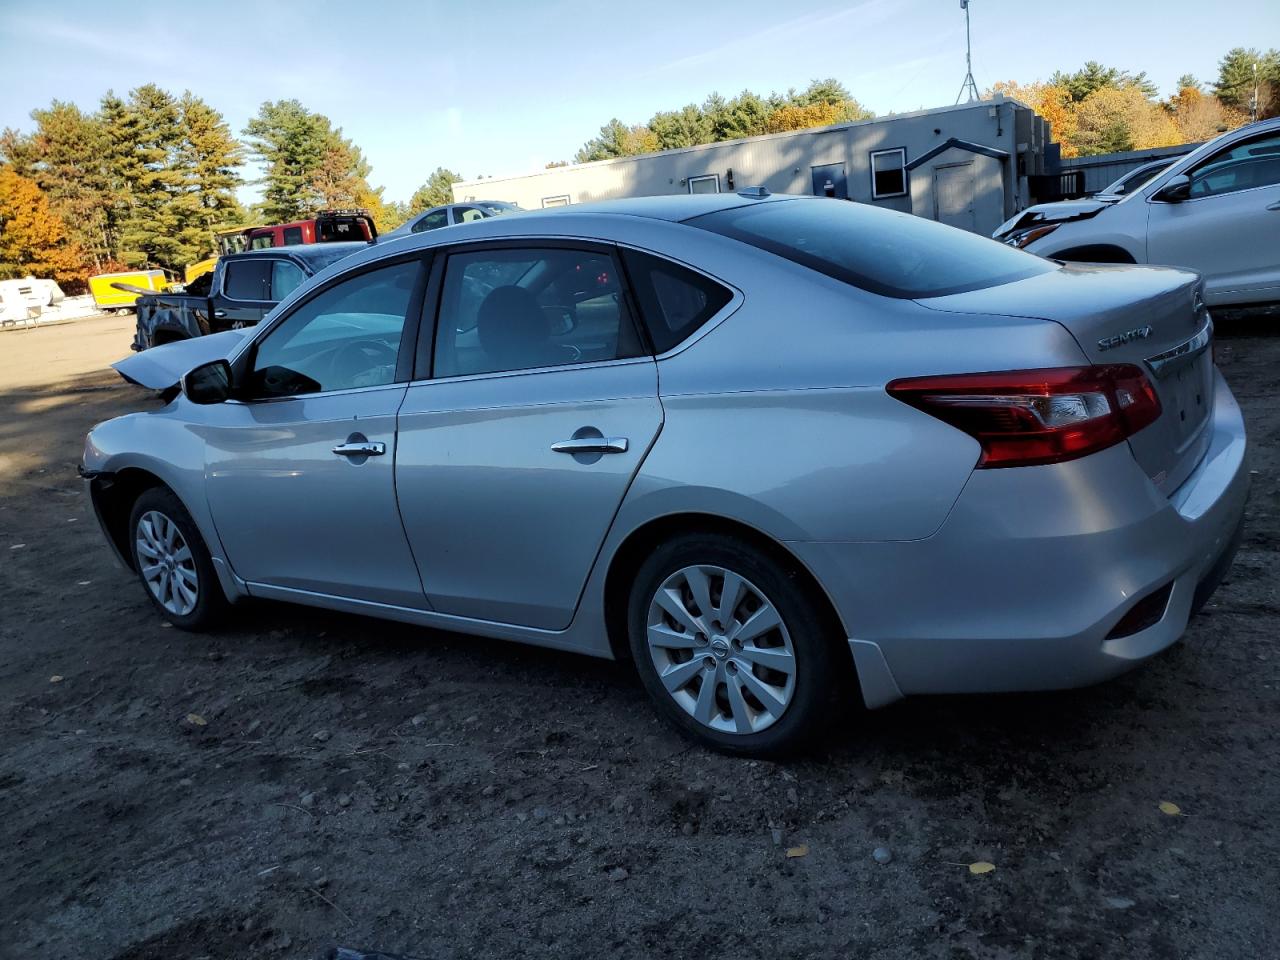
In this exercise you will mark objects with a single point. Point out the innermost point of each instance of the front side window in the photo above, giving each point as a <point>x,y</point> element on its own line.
<point>292,235</point>
<point>262,241</point>
<point>431,221</point>
<point>247,280</point>
<point>344,338</point>
<point>1245,166</point>
<point>285,278</point>
<point>516,309</point>
<point>674,301</point>
<point>883,251</point>
<point>888,173</point>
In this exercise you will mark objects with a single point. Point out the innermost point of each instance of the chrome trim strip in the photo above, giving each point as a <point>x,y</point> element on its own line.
<point>1163,364</point>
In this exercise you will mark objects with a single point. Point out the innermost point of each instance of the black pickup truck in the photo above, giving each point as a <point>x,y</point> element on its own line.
<point>239,292</point>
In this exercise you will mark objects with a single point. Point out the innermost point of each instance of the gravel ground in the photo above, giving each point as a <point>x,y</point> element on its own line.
<point>303,779</point>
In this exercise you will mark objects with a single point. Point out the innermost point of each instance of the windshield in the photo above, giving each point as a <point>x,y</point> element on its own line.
<point>883,251</point>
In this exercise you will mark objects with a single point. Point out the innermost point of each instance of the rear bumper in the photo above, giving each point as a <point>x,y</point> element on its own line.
<point>1035,567</point>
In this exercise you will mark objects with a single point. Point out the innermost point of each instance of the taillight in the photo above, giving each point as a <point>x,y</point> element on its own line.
<point>1027,417</point>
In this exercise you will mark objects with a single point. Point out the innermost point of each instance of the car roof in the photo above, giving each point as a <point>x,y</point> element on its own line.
<point>300,251</point>
<point>672,207</point>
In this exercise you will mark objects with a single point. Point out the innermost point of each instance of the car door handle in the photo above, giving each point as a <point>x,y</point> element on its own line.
<point>366,448</point>
<point>220,314</point>
<point>591,445</point>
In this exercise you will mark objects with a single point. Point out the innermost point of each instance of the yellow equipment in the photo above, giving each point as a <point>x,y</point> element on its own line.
<point>230,240</point>
<point>111,291</point>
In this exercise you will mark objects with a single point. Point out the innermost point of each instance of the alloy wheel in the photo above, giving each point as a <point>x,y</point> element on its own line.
<point>166,564</point>
<point>721,649</point>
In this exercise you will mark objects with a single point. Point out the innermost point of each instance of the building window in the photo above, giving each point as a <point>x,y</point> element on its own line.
<point>705,184</point>
<point>560,201</point>
<point>888,173</point>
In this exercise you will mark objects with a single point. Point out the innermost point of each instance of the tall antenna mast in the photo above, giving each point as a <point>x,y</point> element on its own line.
<point>968,86</point>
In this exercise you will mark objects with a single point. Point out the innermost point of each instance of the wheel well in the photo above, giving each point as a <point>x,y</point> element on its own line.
<point>643,540</point>
<point>1095,253</point>
<point>115,499</point>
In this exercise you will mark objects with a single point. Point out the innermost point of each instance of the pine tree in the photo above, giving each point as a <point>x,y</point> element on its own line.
<point>1235,83</point>
<point>208,157</point>
<point>435,192</point>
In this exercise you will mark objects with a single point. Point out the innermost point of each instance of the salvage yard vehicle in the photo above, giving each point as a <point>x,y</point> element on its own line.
<point>1216,211</point>
<point>226,242</point>
<point>775,450</point>
<point>117,292</point>
<point>327,226</point>
<point>241,290</point>
<point>453,213</point>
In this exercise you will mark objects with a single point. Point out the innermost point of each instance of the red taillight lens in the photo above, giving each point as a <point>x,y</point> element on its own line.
<point>1026,417</point>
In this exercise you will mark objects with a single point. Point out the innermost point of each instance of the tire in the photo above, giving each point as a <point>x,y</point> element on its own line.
<point>186,592</point>
<point>784,701</point>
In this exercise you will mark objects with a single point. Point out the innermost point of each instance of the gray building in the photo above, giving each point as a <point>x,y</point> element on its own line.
<point>965,165</point>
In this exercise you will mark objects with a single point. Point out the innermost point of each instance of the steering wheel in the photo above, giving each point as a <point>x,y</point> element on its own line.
<point>360,356</point>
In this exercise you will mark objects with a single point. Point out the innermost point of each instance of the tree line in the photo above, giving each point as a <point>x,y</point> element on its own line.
<point>147,179</point>
<point>1099,109</point>
<point>821,104</point>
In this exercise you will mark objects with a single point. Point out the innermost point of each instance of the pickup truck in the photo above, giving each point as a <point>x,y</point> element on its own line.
<point>241,290</point>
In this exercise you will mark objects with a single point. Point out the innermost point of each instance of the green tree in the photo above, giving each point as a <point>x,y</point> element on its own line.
<point>1234,86</point>
<point>208,157</point>
<point>686,127</point>
<point>1188,81</point>
<point>830,91</point>
<point>438,190</point>
<point>1094,76</point>
<point>293,144</point>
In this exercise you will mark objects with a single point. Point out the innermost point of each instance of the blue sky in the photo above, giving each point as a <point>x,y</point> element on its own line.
<point>493,87</point>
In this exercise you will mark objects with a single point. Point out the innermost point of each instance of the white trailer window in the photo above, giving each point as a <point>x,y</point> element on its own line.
<point>560,201</point>
<point>710,183</point>
<point>888,173</point>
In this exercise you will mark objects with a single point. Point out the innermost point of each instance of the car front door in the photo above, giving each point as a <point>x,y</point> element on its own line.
<point>245,296</point>
<point>300,469</point>
<point>536,404</point>
<point>1229,226</point>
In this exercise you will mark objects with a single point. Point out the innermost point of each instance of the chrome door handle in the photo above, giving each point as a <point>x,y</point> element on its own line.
<point>220,314</point>
<point>591,445</point>
<point>367,448</point>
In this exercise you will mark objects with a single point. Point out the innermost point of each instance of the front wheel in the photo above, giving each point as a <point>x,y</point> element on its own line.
<point>731,646</point>
<point>173,563</point>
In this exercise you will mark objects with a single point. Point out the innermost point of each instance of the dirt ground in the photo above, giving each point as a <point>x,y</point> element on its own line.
<point>305,779</point>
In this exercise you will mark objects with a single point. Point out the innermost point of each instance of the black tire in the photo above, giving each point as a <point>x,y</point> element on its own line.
<point>819,671</point>
<point>210,603</point>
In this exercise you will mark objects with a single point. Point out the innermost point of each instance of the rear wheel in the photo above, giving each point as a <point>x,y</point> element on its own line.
<point>731,646</point>
<point>173,563</point>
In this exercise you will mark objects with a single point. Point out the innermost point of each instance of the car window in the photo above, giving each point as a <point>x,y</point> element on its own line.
<point>262,241</point>
<point>431,221</point>
<point>1244,166</point>
<point>467,214</point>
<point>886,252</point>
<point>285,278</point>
<point>247,280</point>
<point>674,301</point>
<point>346,337</point>
<point>292,235</point>
<point>522,308</point>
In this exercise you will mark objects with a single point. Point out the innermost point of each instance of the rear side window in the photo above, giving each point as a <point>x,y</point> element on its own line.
<point>882,251</point>
<point>674,301</point>
<point>247,280</point>
<point>292,235</point>
<point>285,278</point>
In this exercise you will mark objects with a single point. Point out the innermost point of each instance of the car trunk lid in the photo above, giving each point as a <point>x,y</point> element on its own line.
<point>1151,317</point>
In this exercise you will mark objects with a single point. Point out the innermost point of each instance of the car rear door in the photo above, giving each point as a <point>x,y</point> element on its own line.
<point>535,405</point>
<point>300,469</point>
<point>1229,227</point>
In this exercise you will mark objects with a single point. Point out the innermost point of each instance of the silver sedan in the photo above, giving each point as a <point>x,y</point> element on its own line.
<point>780,453</point>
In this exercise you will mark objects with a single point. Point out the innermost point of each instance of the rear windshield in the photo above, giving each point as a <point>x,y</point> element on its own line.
<point>883,251</point>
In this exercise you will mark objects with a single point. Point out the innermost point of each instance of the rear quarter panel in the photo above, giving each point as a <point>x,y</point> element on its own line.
<point>778,416</point>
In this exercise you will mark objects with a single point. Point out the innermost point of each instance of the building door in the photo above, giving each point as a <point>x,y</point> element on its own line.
<point>953,195</point>
<point>828,180</point>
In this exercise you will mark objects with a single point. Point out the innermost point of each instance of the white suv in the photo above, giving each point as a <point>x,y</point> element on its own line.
<point>1216,210</point>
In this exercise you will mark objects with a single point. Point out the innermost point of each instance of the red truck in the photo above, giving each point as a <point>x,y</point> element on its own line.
<point>327,226</point>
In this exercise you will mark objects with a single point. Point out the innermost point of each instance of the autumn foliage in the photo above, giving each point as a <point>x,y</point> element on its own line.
<point>33,240</point>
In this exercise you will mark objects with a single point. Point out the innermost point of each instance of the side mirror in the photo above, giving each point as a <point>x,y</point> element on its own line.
<point>1175,190</point>
<point>208,383</point>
